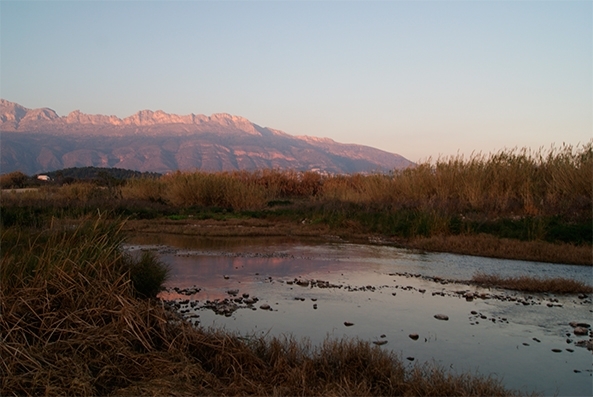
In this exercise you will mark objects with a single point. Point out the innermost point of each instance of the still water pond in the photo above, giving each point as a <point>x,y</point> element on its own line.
<point>385,294</point>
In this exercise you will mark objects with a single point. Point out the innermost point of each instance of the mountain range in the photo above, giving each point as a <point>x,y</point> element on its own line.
<point>34,141</point>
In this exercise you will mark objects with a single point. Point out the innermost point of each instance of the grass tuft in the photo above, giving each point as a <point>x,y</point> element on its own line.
<point>148,275</point>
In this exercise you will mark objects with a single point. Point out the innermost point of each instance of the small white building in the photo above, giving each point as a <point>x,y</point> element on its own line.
<point>44,178</point>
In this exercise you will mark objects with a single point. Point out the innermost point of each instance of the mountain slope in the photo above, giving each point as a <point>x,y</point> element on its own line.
<point>39,140</point>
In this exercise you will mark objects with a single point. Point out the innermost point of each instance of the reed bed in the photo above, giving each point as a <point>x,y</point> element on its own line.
<point>515,194</point>
<point>556,285</point>
<point>516,182</point>
<point>73,323</point>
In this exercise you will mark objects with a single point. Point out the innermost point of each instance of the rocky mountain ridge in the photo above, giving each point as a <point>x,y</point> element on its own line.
<point>39,140</point>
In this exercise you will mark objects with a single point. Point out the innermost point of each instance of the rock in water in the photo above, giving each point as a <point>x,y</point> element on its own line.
<point>580,331</point>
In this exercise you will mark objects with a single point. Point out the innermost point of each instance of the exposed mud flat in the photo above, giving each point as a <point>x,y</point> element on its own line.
<point>419,305</point>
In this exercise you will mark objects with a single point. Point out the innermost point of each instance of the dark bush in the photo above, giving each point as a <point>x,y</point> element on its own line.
<point>148,275</point>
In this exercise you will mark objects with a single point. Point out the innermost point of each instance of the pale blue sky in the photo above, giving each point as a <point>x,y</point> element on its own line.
<point>416,78</point>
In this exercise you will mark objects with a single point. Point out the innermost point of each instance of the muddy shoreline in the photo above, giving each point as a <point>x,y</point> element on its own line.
<point>474,245</point>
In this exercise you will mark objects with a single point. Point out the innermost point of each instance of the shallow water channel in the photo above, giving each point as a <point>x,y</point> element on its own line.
<point>320,289</point>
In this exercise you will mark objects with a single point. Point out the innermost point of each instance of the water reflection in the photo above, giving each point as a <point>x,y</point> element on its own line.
<point>503,338</point>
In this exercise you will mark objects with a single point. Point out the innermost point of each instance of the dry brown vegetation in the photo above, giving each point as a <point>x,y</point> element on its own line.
<point>71,324</point>
<point>491,246</point>
<point>556,285</point>
<point>533,205</point>
<point>510,182</point>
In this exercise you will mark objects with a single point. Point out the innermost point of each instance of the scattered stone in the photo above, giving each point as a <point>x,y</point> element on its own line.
<point>588,344</point>
<point>580,331</point>
<point>576,371</point>
<point>380,342</point>
<point>474,312</point>
<point>233,292</point>
<point>414,336</point>
<point>537,340</point>
<point>383,336</point>
<point>557,350</point>
<point>410,358</point>
<point>576,324</point>
<point>265,307</point>
<point>570,350</point>
<point>226,277</point>
<point>315,306</point>
<point>525,344</point>
<point>348,324</point>
<point>441,317</point>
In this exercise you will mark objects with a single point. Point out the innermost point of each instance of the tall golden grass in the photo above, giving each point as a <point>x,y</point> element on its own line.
<point>71,324</point>
<point>515,182</point>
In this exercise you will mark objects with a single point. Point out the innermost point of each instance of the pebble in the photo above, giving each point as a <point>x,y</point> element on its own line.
<point>380,342</point>
<point>348,324</point>
<point>580,331</point>
<point>414,336</point>
<point>410,358</point>
<point>441,317</point>
<point>265,307</point>
<point>557,350</point>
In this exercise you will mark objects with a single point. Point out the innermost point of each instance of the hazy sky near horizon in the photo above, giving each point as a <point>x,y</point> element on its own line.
<point>418,78</point>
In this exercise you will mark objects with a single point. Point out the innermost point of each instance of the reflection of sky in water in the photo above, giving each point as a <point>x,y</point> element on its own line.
<point>463,343</point>
<point>390,259</point>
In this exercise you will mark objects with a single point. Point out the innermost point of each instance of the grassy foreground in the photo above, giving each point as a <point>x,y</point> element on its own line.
<point>77,319</point>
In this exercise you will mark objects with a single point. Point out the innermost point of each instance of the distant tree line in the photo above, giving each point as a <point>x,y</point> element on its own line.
<point>98,175</point>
